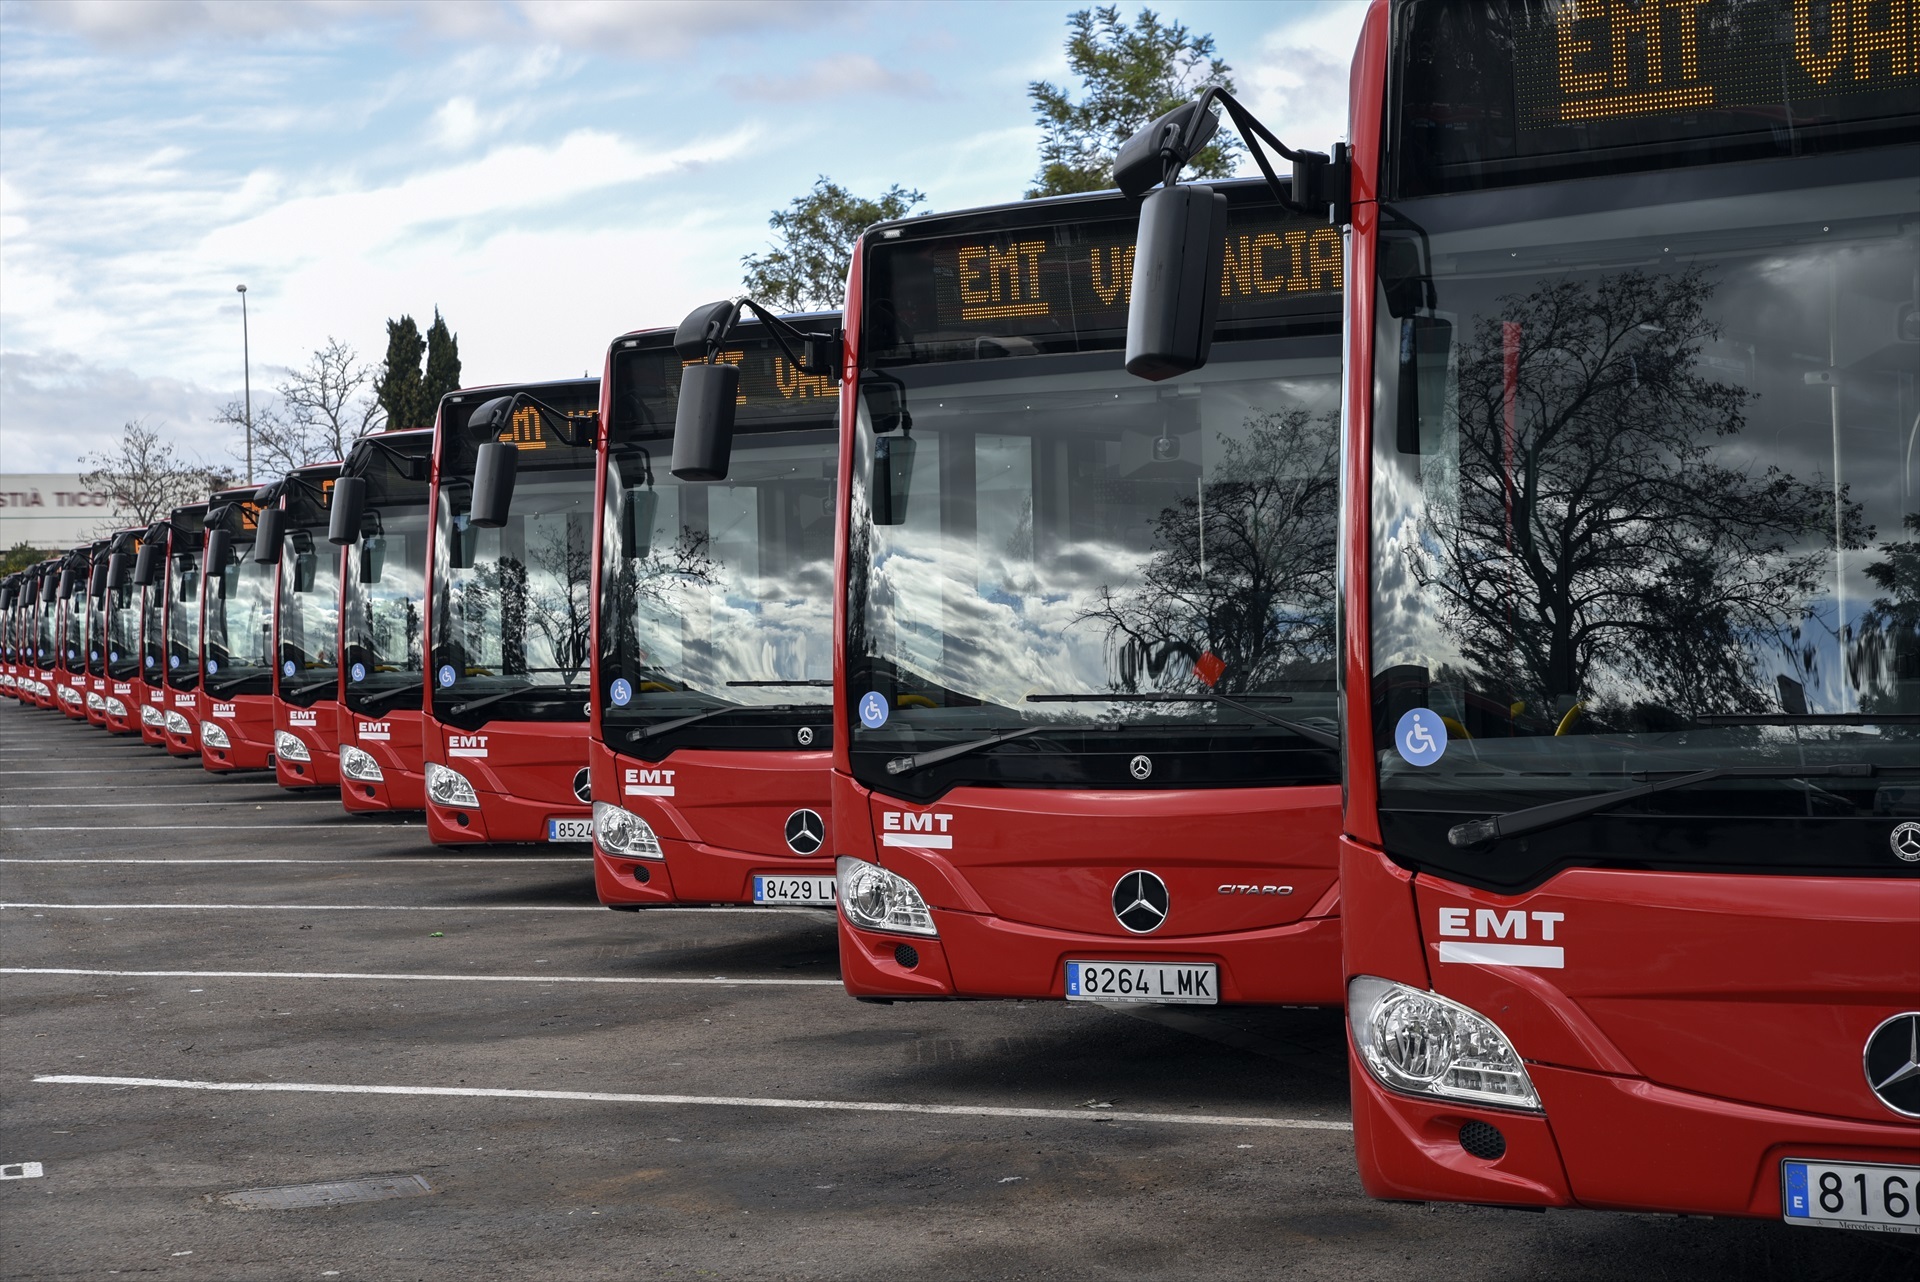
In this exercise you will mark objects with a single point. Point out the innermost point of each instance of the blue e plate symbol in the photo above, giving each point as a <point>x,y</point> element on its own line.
<point>1421,737</point>
<point>873,710</point>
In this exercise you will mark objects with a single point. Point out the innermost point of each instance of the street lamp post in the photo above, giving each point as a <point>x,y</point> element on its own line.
<point>246,376</point>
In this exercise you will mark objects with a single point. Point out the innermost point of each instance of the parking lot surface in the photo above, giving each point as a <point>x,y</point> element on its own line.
<point>452,1063</point>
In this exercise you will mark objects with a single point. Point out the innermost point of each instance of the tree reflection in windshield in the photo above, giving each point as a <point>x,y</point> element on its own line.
<point>1238,593</point>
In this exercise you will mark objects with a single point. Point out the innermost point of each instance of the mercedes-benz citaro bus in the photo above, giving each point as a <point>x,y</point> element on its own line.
<point>11,614</point>
<point>45,641</point>
<point>306,613</point>
<point>509,635</point>
<point>380,517</point>
<point>149,581</point>
<point>235,698</point>
<point>1632,868</point>
<point>1088,625</point>
<point>185,537</point>
<point>93,632</point>
<point>715,637</point>
<point>121,699</point>
<point>71,625</point>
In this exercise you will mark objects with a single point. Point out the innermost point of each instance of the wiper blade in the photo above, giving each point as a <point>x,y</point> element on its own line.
<point>310,687</point>
<point>822,684</point>
<point>384,695</point>
<point>525,687</point>
<point>666,727</point>
<point>921,760</point>
<point>1313,734</point>
<point>1809,719</point>
<point>232,682</point>
<point>1516,823</point>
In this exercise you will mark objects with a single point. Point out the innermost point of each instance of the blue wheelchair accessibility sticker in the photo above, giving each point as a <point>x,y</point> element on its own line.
<point>873,710</point>
<point>359,672</point>
<point>1421,737</point>
<point>446,674</point>
<point>621,692</point>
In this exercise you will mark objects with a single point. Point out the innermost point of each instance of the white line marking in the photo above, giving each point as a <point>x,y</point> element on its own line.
<point>716,981</point>
<point>430,908</point>
<point>725,1101</point>
<point>371,859</point>
<point>22,1171</point>
<point>1505,955</point>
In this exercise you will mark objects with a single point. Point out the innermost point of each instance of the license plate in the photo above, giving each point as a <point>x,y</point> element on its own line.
<point>1851,1195</point>
<point>569,830</point>
<point>793,890</point>
<point>1191,984</point>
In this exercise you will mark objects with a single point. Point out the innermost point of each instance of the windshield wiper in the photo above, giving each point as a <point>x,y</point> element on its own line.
<point>921,760</point>
<point>384,695</point>
<point>1325,738</point>
<point>231,683</point>
<point>310,687</point>
<point>523,688</point>
<point>1516,823</point>
<point>1809,719</point>
<point>823,684</point>
<point>665,727</point>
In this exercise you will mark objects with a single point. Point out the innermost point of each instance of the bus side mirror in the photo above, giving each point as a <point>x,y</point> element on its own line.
<point>1178,258</point>
<point>703,422</point>
<point>349,505</point>
<point>891,480</point>
<point>1145,158</point>
<point>886,407</point>
<point>270,531</point>
<point>373,558</point>
<point>1426,344</point>
<point>219,546</point>
<point>641,508</point>
<point>146,566</point>
<point>493,474</point>
<point>97,580</point>
<point>490,419</point>
<point>119,570</point>
<point>305,564</point>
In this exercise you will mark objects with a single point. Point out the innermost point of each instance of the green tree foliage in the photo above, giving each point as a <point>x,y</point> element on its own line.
<point>806,270</point>
<point>401,391</point>
<point>1132,75</point>
<point>20,556</point>
<point>443,363</point>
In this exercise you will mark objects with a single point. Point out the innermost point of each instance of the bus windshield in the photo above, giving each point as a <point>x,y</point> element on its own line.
<point>153,636</point>
<point>123,632</point>
<point>718,598</point>
<point>1056,546</point>
<point>1646,500</point>
<point>511,610</point>
<point>183,614</point>
<point>385,592</point>
<point>239,624</point>
<point>309,595</point>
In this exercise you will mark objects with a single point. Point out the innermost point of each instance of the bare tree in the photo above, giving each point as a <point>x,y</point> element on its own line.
<point>323,407</point>
<point>145,477</point>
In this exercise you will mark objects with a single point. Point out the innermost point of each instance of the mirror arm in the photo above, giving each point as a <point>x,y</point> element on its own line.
<point>782,330</point>
<point>522,400</point>
<point>1319,175</point>
<point>404,463</point>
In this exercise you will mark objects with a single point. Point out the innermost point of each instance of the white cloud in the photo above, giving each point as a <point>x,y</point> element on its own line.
<point>1297,87</point>
<point>57,406</point>
<point>838,75</point>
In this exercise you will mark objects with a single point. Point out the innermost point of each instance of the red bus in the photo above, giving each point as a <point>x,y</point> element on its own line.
<point>149,582</point>
<point>235,698</point>
<point>510,629</point>
<point>713,696</point>
<point>44,579</point>
<point>1089,743</point>
<point>179,547</point>
<point>1631,872</point>
<point>93,632</point>
<point>13,625</point>
<point>306,623</point>
<point>123,695</point>
<point>379,517</point>
<point>70,623</point>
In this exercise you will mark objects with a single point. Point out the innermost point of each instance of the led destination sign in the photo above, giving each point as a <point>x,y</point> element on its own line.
<point>1062,287</point>
<point>773,390</point>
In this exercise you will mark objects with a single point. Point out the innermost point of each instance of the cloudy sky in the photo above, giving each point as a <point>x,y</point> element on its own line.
<point>548,174</point>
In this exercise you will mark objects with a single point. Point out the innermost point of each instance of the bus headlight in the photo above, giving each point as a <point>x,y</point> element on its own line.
<point>150,716</point>
<point>212,736</point>
<point>358,765</point>
<point>95,702</point>
<point>876,899</point>
<point>288,747</point>
<point>115,708</point>
<point>450,788</point>
<point>1420,1043</point>
<point>178,724</point>
<point>621,832</point>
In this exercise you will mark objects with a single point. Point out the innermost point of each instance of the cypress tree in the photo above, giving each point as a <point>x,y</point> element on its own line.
<point>400,390</point>
<point>443,364</point>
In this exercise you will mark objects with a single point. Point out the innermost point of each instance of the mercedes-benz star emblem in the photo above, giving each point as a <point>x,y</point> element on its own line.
<point>806,832</point>
<point>1140,767</point>
<point>583,785</point>
<point>1140,902</point>
<point>1892,1062</point>
<point>805,735</point>
<point>1905,841</point>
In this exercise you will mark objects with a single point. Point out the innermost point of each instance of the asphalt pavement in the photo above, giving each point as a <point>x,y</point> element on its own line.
<point>245,1035</point>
